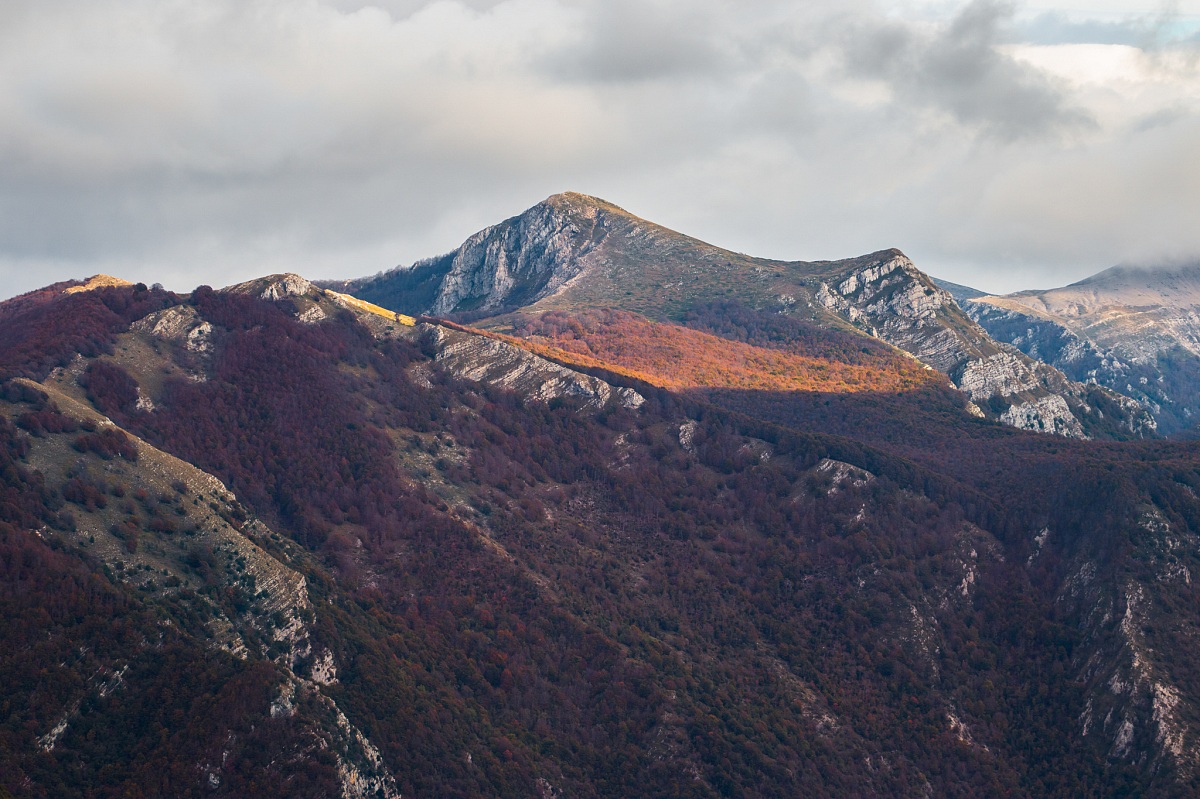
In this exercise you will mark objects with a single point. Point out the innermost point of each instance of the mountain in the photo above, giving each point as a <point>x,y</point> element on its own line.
<point>572,252</point>
<point>1135,330</point>
<point>959,292</point>
<point>278,540</point>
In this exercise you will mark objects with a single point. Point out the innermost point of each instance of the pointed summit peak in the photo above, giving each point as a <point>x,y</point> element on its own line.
<point>893,253</point>
<point>573,198</point>
<point>582,204</point>
<point>886,256</point>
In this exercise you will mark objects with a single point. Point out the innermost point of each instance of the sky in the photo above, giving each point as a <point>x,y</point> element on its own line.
<point>1005,145</point>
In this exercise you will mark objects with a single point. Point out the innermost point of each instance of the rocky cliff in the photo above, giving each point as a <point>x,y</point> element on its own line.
<point>887,295</point>
<point>1133,330</point>
<point>515,263</point>
<point>497,363</point>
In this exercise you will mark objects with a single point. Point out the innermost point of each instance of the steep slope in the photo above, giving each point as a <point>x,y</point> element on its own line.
<point>900,304</point>
<point>574,252</point>
<point>1134,330</point>
<point>197,588</point>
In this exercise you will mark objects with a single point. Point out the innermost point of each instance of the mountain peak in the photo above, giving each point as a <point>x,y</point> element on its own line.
<point>1174,285</point>
<point>576,201</point>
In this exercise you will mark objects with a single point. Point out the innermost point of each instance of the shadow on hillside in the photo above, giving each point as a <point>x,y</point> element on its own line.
<point>930,428</point>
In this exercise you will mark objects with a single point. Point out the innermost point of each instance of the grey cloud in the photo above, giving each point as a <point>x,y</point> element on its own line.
<point>402,9</point>
<point>960,70</point>
<point>638,40</point>
<point>207,141</point>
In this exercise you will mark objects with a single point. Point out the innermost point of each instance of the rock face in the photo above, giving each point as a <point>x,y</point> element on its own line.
<point>1050,414</point>
<point>274,287</point>
<point>181,325</point>
<point>1135,331</point>
<point>841,475</point>
<point>519,261</point>
<point>569,251</point>
<point>1002,374</point>
<point>515,263</point>
<point>1134,708</point>
<point>886,294</point>
<point>487,360</point>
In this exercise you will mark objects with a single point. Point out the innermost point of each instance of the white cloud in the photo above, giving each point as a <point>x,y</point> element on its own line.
<point>185,141</point>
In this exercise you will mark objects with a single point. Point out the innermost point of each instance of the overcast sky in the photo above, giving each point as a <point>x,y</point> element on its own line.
<point>1003,145</point>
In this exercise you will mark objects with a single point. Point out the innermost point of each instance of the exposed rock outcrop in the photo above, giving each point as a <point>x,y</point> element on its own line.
<point>887,295</point>
<point>180,324</point>
<point>1049,414</point>
<point>570,251</point>
<point>488,360</point>
<point>1134,331</point>
<point>1134,708</point>
<point>841,475</point>
<point>518,261</point>
<point>274,287</point>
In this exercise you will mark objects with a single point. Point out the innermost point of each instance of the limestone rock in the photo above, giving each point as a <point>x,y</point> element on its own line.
<point>842,475</point>
<point>1149,353</point>
<point>887,295</point>
<point>517,262</point>
<point>487,360</point>
<point>1049,414</point>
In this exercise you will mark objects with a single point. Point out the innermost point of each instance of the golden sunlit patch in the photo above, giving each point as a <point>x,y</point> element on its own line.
<point>97,282</point>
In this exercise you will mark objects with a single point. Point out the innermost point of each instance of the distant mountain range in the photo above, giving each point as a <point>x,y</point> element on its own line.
<point>1135,330</point>
<point>585,508</point>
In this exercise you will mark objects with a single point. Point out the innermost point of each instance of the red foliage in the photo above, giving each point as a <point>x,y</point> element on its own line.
<point>110,387</point>
<point>606,603</point>
<point>39,332</point>
<point>23,497</point>
<point>677,357</point>
<point>85,493</point>
<point>47,420</point>
<point>108,443</point>
<point>67,630</point>
<point>281,423</point>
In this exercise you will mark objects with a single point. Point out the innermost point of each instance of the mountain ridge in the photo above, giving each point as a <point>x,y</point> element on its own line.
<point>574,252</point>
<point>1133,329</point>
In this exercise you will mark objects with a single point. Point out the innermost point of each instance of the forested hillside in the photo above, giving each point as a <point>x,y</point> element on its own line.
<point>260,538</point>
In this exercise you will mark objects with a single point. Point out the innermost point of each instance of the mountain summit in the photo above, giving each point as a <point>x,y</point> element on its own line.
<point>570,250</point>
<point>1174,286</point>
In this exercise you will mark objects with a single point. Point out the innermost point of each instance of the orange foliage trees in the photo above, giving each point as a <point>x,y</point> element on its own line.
<point>678,358</point>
